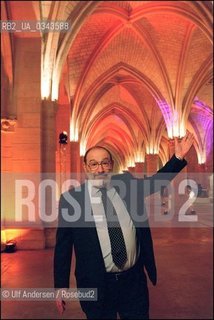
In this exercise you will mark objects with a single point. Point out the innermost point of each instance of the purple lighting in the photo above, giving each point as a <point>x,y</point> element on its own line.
<point>167,115</point>
<point>202,115</point>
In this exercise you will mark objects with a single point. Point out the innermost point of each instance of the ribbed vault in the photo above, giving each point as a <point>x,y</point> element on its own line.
<point>135,73</point>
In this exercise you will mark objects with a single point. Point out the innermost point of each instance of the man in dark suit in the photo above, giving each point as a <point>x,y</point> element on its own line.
<point>113,257</point>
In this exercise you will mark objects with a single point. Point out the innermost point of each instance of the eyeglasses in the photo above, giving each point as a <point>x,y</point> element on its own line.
<point>93,165</point>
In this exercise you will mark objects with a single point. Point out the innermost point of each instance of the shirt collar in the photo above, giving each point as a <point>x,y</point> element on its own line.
<point>95,191</point>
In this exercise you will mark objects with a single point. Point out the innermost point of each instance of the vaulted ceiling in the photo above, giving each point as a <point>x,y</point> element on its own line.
<point>135,73</point>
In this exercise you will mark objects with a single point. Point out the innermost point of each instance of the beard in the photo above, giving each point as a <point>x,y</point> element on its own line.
<point>99,180</point>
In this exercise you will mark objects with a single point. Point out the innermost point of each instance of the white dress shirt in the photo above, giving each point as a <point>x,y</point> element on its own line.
<point>128,229</point>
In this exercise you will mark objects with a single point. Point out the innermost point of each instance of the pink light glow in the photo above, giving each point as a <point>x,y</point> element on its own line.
<point>175,128</point>
<point>202,116</point>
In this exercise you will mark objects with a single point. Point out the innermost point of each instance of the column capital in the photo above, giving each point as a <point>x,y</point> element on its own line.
<point>151,155</point>
<point>201,167</point>
<point>139,167</point>
<point>151,163</point>
<point>49,105</point>
<point>131,169</point>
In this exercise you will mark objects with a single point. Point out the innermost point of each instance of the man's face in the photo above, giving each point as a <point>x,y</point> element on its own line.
<point>98,167</point>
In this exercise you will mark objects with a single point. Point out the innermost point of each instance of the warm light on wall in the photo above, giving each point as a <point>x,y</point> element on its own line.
<point>82,148</point>
<point>73,131</point>
<point>151,150</point>
<point>176,127</point>
<point>14,234</point>
<point>55,87</point>
<point>182,130</point>
<point>165,109</point>
<point>139,157</point>
<point>49,80</point>
<point>122,168</point>
<point>201,157</point>
<point>46,91</point>
<point>45,85</point>
<point>130,162</point>
<point>3,236</point>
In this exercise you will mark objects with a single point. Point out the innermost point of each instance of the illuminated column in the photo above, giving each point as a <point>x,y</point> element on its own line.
<point>201,167</point>
<point>131,169</point>
<point>139,169</point>
<point>151,163</point>
<point>48,165</point>
<point>202,176</point>
<point>7,180</point>
<point>81,163</point>
<point>75,159</point>
<point>7,127</point>
<point>82,173</point>
<point>48,141</point>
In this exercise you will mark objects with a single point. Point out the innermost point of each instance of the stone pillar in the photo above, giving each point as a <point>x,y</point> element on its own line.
<point>82,172</point>
<point>139,169</point>
<point>75,159</point>
<point>48,136</point>
<point>8,132</point>
<point>131,169</point>
<point>24,165</point>
<point>202,176</point>
<point>48,163</point>
<point>81,164</point>
<point>151,164</point>
<point>7,177</point>
<point>6,94</point>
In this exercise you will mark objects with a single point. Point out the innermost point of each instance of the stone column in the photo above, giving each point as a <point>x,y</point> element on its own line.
<point>131,169</point>
<point>82,172</point>
<point>75,159</point>
<point>8,132</point>
<point>151,164</point>
<point>139,169</point>
<point>25,152</point>
<point>202,176</point>
<point>7,176</point>
<point>48,165</point>
<point>48,136</point>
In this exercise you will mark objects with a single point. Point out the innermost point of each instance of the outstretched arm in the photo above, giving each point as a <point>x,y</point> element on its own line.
<point>171,168</point>
<point>182,147</point>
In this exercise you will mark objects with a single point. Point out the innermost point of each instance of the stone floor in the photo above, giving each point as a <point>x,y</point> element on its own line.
<point>184,258</point>
<point>184,290</point>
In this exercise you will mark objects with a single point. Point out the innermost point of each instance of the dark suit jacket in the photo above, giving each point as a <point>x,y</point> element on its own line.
<point>82,236</point>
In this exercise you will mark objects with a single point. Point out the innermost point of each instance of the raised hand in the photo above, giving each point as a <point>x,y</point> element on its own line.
<point>60,303</point>
<point>182,147</point>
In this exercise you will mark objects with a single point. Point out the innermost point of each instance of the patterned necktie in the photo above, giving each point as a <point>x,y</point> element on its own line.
<point>118,247</point>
